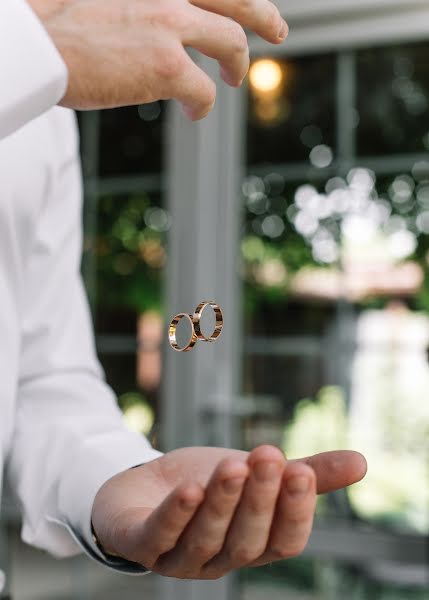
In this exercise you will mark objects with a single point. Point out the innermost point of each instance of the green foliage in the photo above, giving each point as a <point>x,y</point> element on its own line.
<point>266,251</point>
<point>131,251</point>
<point>130,254</point>
<point>400,446</point>
<point>319,424</point>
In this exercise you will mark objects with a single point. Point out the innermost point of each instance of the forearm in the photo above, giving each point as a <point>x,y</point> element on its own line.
<point>69,439</point>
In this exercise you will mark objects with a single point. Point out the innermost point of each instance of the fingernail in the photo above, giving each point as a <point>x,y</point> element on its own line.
<point>283,30</point>
<point>187,110</point>
<point>233,485</point>
<point>225,75</point>
<point>297,486</point>
<point>229,79</point>
<point>266,471</point>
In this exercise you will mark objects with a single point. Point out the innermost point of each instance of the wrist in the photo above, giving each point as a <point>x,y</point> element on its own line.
<point>100,546</point>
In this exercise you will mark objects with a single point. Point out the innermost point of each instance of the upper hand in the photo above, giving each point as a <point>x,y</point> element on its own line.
<point>197,513</point>
<point>123,52</point>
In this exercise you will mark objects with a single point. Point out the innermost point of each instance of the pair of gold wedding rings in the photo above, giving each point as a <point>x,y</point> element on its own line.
<point>195,322</point>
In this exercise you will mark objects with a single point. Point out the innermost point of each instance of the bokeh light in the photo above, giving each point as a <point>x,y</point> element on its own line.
<point>265,76</point>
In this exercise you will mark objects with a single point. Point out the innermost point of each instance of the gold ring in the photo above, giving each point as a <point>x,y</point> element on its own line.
<point>196,318</point>
<point>172,333</point>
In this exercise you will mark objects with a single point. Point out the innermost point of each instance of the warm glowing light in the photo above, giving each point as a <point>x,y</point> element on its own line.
<point>265,75</point>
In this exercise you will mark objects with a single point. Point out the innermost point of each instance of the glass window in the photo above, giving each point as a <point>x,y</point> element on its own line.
<point>291,108</point>
<point>336,312</point>
<point>124,252</point>
<point>131,140</point>
<point>392,100</point>
<point>130,255</point>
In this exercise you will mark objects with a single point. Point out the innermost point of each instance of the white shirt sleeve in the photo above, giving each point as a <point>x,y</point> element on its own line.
<point>69,435</point>
<point>33,76</point>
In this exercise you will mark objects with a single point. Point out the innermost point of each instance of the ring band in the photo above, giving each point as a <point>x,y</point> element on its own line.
<point>172,333</point>
<point>196,318</point>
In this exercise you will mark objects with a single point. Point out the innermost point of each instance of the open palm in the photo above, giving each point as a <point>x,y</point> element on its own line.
<point>198,513</point>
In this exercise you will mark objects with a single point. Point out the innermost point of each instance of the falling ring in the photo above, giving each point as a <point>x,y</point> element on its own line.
<point>173,329</point>
<point>196,318</point>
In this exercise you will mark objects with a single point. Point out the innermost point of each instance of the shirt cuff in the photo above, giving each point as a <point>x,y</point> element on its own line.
<point>114,564</point>
<point>33,75</point>
<point>98,460</point>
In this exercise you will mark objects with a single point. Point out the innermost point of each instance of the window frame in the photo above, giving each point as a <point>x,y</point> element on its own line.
<point>309,9</point>
<point>340,25</point>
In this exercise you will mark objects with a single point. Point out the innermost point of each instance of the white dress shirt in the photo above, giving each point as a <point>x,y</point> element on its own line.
<point>61,433</point>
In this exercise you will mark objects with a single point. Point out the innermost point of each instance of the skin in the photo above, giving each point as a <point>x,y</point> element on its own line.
<point>133,51</point>
<point>198,513</point>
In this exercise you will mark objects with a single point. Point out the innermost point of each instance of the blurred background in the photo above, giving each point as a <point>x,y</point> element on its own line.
<point>301,205</point>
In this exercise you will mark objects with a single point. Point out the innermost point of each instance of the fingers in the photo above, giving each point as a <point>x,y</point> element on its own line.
<point>146,540</point>
<point>222,39</point>
<point>335,470</point>
<point>204,537</point>
<point>293,518</point>
<point>260,16</point>
<point>181,79</point>
<point>250,528</point>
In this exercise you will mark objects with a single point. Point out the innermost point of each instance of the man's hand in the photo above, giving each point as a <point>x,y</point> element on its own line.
<point>124,52</point>
<point>198,513</point>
